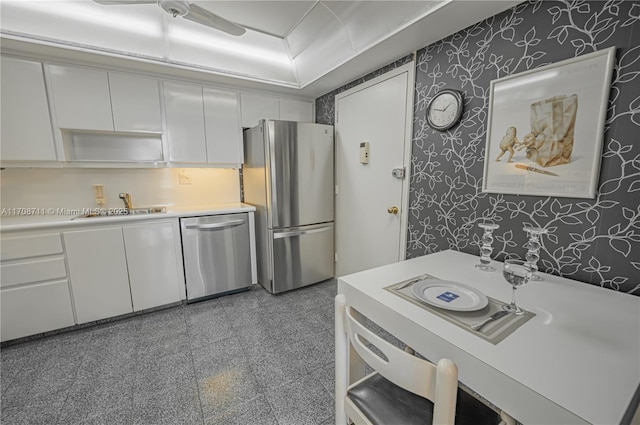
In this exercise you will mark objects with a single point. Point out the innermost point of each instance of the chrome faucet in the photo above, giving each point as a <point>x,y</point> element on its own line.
<point>126,198</point>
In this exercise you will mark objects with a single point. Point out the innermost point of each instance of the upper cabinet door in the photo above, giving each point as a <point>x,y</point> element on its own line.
<point>81,98</point>
<point>26,124</point>
<point>222,126</point>
<point>296,110</point>
<point>185,122</point>
<point>135,102</point>
<point>256,107</point>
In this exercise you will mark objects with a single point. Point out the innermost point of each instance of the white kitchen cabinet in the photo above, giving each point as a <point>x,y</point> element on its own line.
<point>256,107</point>
<point>94,99</point>
<point>296,110</point>
<point>35,309</point>
<point>98,273</point>
<point>185,122</point>
<point>152,264</point>
<point>203,124</point>
<point>222,126</point>
<point>135,102</point>
<point>81,98</point>
<point>34,295</point>
<point>26,132</point>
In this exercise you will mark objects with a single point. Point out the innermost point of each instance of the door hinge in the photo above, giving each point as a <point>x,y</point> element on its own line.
<point>336,189</point>
<point>336,257</point>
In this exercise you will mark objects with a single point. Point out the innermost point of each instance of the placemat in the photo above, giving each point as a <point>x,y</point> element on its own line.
<point>494,332</point>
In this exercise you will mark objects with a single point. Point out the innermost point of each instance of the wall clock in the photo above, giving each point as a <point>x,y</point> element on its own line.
<point>444,109</point>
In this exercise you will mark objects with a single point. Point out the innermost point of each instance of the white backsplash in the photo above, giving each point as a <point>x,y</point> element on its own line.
<point>73,188</point>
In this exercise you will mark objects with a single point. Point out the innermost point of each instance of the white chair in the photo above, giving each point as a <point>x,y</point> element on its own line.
<point>394,392</point>
<point>403,389</point>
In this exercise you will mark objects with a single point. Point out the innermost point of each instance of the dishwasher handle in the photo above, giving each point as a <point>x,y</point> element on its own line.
<point>215,226</point>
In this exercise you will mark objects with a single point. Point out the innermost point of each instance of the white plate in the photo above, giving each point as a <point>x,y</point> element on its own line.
<point>449,295</point>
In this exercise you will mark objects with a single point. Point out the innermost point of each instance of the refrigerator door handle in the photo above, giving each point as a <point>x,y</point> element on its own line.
<point>280,235</point>
<point>272,187</point>
<point>215,226</point>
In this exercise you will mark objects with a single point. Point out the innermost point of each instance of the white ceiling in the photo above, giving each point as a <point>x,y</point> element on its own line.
<point>305,48</point>
<point>277,18</point>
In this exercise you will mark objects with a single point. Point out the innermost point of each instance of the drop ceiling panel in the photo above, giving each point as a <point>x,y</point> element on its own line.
<point>320,29</point>
<point>328,53</point>
<point>273,17</point>
<point>370,21</point>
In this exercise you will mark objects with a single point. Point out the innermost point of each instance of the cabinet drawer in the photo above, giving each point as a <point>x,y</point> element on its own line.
<point>30,246</point>
<point>32,271</point>
<point>35,309</point>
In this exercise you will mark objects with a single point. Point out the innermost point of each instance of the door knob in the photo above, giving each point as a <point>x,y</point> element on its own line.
<point>392,210</point>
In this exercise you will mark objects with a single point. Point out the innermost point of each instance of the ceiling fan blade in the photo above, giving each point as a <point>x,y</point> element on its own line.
<point>113,2</point>
<point>204,17</point>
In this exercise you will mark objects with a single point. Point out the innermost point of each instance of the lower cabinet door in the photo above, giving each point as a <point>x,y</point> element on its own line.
<point>153,266</point>
<point>33,309</point>
<point>98,273</point>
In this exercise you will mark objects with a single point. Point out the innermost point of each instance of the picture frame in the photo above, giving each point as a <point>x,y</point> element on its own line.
<point>546,126</point>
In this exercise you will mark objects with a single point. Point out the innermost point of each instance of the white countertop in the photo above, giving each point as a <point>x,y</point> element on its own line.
<point>33,222</point>
<point>578,358</point>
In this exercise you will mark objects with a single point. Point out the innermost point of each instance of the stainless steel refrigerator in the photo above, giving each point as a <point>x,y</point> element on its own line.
<point>288,177</point>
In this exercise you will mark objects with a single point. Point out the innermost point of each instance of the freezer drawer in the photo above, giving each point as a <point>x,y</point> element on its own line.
<point>217,254</point>
<point>301,256</point>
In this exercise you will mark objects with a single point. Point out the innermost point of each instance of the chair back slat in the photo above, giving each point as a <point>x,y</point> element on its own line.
<point>439,384</point>
<point>403,369</point>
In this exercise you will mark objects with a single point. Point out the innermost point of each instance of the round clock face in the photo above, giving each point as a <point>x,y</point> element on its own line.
<point>444,110</point>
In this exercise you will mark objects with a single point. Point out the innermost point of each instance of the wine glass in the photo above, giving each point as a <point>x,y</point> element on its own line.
<point>486,249</point>
<point>517,273</point>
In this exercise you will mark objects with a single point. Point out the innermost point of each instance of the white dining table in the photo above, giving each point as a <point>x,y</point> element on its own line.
<point>577,361</point>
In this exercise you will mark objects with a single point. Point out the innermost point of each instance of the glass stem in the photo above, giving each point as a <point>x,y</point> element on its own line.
<point>513,297</point>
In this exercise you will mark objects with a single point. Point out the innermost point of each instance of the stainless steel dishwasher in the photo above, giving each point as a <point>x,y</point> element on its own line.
<point>217,255</point>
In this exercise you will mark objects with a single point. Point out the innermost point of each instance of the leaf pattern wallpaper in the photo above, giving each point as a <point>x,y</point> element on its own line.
<point>595,241</point>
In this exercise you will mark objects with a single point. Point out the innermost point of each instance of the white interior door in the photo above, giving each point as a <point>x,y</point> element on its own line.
<point>370,232</point>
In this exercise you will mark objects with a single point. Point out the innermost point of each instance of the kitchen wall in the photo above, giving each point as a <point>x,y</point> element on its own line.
<point>591,240</point>
<point>325,104</point>
<point>73,187</point>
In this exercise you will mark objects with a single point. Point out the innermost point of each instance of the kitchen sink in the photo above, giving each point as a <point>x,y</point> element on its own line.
<point>114,212</point>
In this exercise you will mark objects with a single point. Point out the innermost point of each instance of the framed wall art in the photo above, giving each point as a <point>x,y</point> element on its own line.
<point>545,129</point>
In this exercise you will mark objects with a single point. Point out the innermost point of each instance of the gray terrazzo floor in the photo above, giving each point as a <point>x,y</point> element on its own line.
<point>249,358</point>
